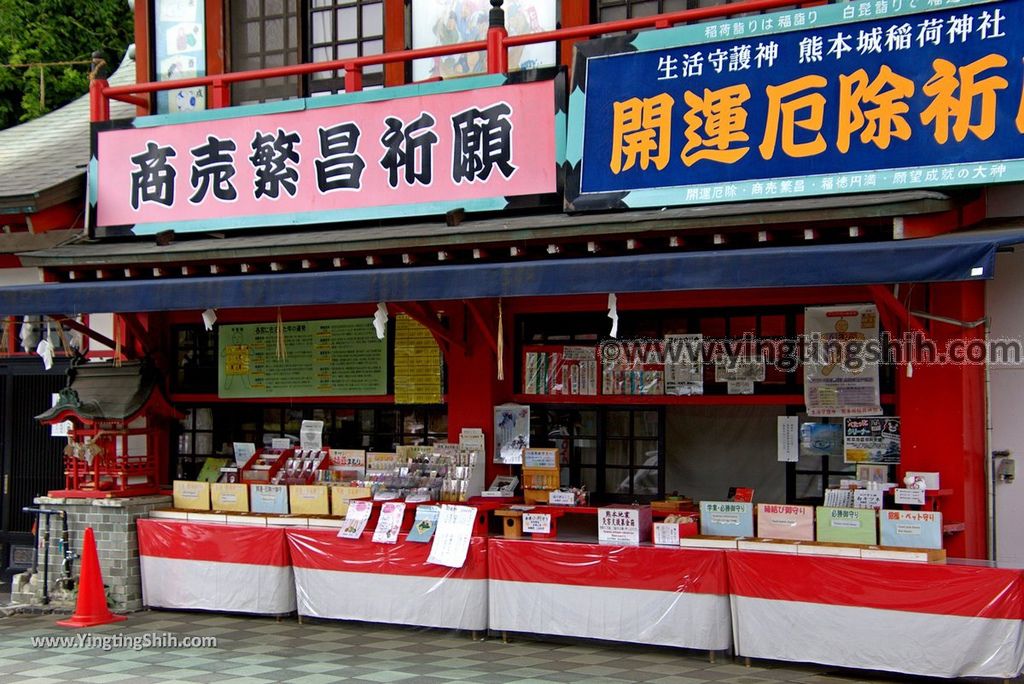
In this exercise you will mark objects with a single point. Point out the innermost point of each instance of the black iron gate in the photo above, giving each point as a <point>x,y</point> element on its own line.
<point>30,459</point>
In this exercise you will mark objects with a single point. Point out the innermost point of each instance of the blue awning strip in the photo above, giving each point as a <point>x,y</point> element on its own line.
<point>953,257</point>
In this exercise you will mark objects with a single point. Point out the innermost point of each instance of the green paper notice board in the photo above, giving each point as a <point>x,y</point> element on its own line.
<point>321,358</point>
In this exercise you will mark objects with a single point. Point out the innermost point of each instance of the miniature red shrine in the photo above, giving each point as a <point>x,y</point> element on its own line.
<point>114,412</point>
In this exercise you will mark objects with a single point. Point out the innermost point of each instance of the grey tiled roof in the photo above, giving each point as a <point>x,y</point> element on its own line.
<point>52,150</point>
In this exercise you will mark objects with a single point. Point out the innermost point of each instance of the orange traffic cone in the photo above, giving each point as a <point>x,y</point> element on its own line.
<point>91,608</point>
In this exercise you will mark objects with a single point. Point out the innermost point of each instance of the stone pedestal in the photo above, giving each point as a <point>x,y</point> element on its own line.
<point>117,546</point>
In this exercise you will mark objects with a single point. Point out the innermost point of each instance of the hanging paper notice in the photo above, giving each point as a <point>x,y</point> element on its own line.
<point>417,364</point>
<point>451,541</point>
<point>355,520</point>
<point>389,522</point>
<point>871,440</point>
<point>325,358</point>
<point>511,433</point>
<point>840,375</point>
<point>789,439</point>
<point>684,365</point>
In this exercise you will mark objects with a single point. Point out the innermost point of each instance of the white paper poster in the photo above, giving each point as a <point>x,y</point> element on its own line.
<point>451,540</point>
<point>311,435</point>
<point>840,375</point>
<point>684,365</point>
<point>789,439</point>
<point>511,433</point>
<point>389,522</point>
<point>356,519</point>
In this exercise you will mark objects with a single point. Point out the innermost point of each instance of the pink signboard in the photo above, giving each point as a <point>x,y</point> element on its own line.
<point>781,521</point>
<point>394,157</point>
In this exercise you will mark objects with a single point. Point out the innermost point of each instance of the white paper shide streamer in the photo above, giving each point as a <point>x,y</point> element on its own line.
<point>613,313</point>
<point>380,320</point>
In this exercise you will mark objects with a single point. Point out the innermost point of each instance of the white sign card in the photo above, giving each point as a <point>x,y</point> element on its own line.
<point>537,523</point>
<point>840,379</point>
<point>912,497</point>
<point>281,443</point>
<point>243,452</point>
<point>560,498</point>
<point>356,519</point>
<point>622,524</point>
<point>473,439</point>
<point>389,523</point>
<point>666,534</point>
<point>451,540</point>
<point>311,435</point>
<point>540,458</point>
<point>867,498</point>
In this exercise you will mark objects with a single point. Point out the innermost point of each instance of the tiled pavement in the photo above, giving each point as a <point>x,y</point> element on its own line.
<point>255,650</point>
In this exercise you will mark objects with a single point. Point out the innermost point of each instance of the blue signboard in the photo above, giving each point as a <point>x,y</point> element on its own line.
<point>854,97</point>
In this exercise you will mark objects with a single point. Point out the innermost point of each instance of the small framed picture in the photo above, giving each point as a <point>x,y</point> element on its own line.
<point>873,473</point>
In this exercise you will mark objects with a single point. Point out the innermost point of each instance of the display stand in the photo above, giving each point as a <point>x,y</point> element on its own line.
<point>640,594</point>
<point>953,620</point>
<point>198,566</point>
<point>357,579</point>
<point>541,474</point>
<point>264,465</point>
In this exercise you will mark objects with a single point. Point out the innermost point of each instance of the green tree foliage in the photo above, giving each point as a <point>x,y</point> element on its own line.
<point>33,31</point>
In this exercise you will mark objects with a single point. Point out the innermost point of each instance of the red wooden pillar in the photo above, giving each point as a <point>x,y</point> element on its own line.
<point>473,386</point>
<point>943,418</point>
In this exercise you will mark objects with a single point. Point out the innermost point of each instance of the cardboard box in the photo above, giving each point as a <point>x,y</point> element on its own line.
<point>340,496</point>
<point>846,525</point>
<point>231,497</point>
<point>782,521</point>
<point>726,519</point>
<point>191,496</point>
<point>267,498</point>
<point>309,499</point>
<point>623,524</point>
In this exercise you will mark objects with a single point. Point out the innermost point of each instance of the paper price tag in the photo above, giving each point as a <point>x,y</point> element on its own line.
<point>557,498</point>
<point>913,497</point>
<point>537,523</point>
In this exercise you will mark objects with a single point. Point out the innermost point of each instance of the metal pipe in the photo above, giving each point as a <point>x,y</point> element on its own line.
<point>68,556</point>
<point>46,563</point>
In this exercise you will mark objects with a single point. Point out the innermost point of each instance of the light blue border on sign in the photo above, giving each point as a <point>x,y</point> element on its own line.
<point>306,218</point>
<point>840,183</point>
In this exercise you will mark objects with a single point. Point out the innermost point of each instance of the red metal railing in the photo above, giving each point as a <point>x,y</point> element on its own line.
<point>496,44</point>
